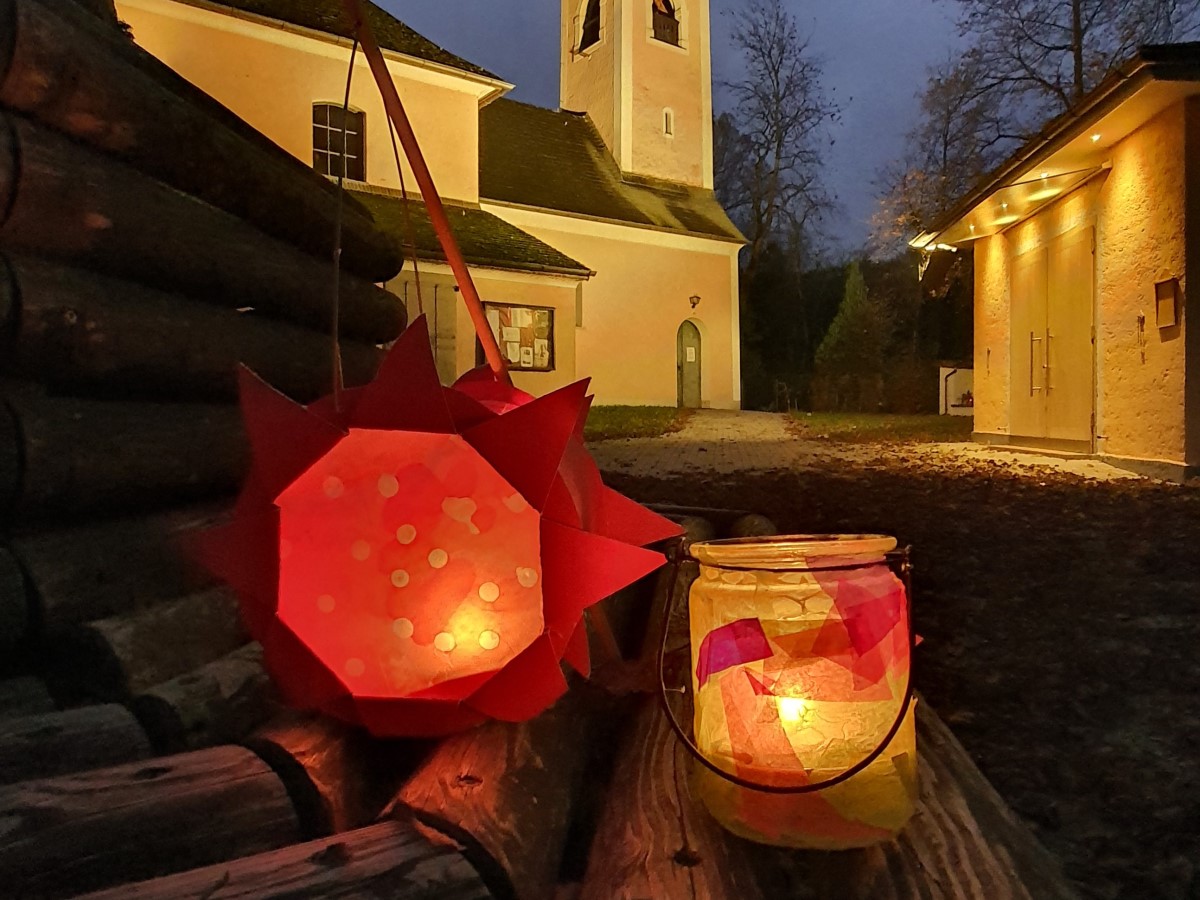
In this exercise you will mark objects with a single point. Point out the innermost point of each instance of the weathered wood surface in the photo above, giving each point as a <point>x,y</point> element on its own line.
<point>26,696</point>
<point>10,440</point>
<point>653,840</point>
<point>73,740</point>
<point>115,658</point>
<point>347,775</point>
<point>113,95</point>
<point>657,840</point>
<point>388,861</point>
<point>81,456</point>
<point>81,574</point>
<point>220,702</point>
<point>69,203</point>
<point>14,600</point>
<point>91,830</point>
<point>82,333</point>
<point>507,792</point>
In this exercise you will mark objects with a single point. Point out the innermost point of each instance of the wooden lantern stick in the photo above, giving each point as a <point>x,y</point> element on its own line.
<point>437,213</point>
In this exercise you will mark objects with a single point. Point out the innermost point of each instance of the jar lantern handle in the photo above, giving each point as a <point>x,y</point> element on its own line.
<point>677,553</point>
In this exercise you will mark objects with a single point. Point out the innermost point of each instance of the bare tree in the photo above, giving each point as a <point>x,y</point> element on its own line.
<point>1041,56</point>
<point>768,146</point>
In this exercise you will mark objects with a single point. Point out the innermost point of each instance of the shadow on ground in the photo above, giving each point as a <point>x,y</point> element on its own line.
<point>1061,619</point>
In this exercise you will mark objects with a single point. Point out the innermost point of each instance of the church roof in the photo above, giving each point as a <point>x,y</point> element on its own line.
<point>486,240</point>
<point>548,159</point>
<point>328,16</point>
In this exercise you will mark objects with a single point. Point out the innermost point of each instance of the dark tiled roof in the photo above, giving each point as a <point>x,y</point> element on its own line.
<point>557,160</point>
<point>327,16</point>
<point>486,240</point>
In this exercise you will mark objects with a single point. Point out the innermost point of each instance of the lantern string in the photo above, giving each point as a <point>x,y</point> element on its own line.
<point>338,375</point>
<point>410,235</point>
<point>677,552</point>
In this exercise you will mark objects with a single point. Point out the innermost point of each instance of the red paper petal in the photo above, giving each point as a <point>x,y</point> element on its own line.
<point>528,685</point>
<point>577,652</point>
<point>482,385</point>
<point>526,445</point>
<point>406,394</point>
<point>245,553</point>
<point>285,437</point>
<point>626,520</point>
<point>302,679</point>
<point>579,569</point>
<point>467,412</point>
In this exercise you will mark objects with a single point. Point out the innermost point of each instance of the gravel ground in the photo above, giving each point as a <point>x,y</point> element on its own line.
<point>1060,605</point>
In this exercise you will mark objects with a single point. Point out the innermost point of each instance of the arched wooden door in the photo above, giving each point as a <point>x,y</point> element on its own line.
<point>688,365</point>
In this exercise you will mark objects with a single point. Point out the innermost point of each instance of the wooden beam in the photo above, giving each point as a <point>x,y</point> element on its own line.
<point>84,456</point>
<point>83,333</point>
<point>507,791</point>
<point>91,830</point>
<point>109,93</point>
<point>80,574</point>
<point>58,743</point>
<point>220,702</point>
<point>25,696</point>
<point>79,207</point>
<point>115,658</point>
<point>347,776</point>
<point>390,860</point>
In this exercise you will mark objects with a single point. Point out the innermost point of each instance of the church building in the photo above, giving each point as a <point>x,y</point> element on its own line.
<point>592,231</point>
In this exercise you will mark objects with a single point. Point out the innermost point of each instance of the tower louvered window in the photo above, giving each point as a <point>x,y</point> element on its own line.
<point>666,22</point>
<point>591,25</point>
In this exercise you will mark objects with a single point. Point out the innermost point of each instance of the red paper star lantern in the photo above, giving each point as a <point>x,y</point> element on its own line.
<point>417,558</point>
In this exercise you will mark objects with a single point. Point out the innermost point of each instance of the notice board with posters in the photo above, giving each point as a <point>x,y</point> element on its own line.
<point>525,335</point>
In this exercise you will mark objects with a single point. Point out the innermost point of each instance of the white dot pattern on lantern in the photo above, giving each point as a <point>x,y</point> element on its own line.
<point>333,487</point>
<point>326,603</point>
<point>406,534</point>
<point>403,628</point>
<point>355,667</point>
<point>489,592</point>
<point>388,485</point>
<point>515,503</point>
<point>445,641</point>
<point>527,577</point>
<point>361,550</point>
<point>400,578</point>
<point>438,558</point>
<point>489,640</point>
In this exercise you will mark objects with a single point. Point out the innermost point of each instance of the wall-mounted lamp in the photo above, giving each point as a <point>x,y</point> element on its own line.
<point>694,300</point>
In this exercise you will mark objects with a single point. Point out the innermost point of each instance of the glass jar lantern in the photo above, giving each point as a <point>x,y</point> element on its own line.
<point>803,708</point>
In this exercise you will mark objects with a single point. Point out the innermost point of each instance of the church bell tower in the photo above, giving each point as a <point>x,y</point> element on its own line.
<point>642,70</point>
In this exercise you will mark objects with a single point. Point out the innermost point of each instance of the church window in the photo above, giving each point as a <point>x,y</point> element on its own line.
<point>666,22</point>
<point>591,25</point>
<point>338,141</point>
<point>669,122</point>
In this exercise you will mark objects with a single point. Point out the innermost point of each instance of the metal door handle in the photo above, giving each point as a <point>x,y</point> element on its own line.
<point>1046,364</point>
<point>1033,340</point>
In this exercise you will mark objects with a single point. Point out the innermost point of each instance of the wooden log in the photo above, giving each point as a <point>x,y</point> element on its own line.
<point>20,697</point>
<point>14,602</point>
<point>656,839</point>
<point>115,658</point>
<point>81,456</point>
<point>82,574</point>
<point>91,830</point>
<point>82,333</point>
<point>653,840</point>
<point>220,702</point>
<point>71,204</point>
<point>341,775</point>
<point>507,792</point>
<point>388,861</point>
<point>72,740</point>
<point>752,525</point>
<point>111,94</point>
<point>10,447</point>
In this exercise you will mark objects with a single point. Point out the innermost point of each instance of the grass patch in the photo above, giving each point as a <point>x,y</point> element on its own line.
<point>607,422</point>
<point>861,428</point>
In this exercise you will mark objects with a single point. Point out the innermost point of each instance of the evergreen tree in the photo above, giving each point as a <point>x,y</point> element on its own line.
<point>850,361</point>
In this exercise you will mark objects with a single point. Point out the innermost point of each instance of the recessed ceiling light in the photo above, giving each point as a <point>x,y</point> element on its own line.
<point>1045,174</point>
<point>1095,137</point>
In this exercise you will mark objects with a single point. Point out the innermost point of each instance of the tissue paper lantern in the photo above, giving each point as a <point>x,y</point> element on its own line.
<point>416,559</point>
<point>801,655</point>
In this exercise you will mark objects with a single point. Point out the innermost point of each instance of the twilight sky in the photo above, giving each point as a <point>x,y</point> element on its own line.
<point>875,53</point>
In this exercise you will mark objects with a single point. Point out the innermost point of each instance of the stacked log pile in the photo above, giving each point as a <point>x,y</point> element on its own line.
<point>149,242</point>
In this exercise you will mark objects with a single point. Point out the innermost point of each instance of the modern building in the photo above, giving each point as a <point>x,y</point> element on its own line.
<point>592,231</point>
<point>1082,244</point>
